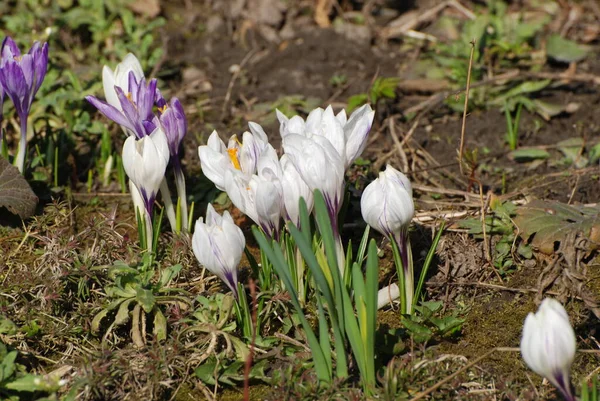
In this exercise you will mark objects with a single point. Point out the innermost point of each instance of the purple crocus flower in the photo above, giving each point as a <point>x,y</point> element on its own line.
<point>174,124</point>
<point>172,118</point>
<point>21,76</point>
<point>137,117</point>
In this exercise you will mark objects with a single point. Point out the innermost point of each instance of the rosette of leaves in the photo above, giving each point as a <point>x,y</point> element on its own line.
<point>136,294</point>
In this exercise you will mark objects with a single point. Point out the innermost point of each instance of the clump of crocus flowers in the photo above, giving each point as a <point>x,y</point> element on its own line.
<point>21,76</point>
<point>155,129</point>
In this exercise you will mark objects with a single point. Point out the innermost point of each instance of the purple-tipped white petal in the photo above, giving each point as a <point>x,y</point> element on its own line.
<point>145,161</point>
<point>356,131</point>
<point>294,188</point>
<point>548,344</point>
<point>387,203</point>
<point>320,166</point>
<point>218,245</point>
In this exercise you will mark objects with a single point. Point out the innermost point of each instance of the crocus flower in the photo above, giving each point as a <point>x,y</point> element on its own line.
<point>21,76</point>
<point>120,78</point>
<point>218,245</point>
<point>261,196</point>
<point>216,158</point>
<point>174,123</point>
<point>294,188</point>
<point>548,345</point>
<point>320,166</point>
<point>135,113</point>
<point>145,161</point>
<point>347,136</point>
<point>387,206</point>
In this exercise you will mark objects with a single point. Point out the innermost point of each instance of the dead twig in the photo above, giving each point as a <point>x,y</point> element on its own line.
<point>234,78</point>
<point>464,119</point>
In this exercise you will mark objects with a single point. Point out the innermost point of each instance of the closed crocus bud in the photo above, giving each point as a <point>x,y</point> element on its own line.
<point>387,206</point>
<point>145,161</point>
<point>548,345</point>
<point>387,203</point>
<point>120,78</point>
<point>218,245</point>
<point>294,188</point>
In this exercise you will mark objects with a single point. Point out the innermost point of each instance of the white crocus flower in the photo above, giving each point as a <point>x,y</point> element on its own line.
<point>216,158</point>
<point>218,245</point>
<point>387,203</point>
<point>294,188</point>
<point>387,206</point>
<point>120,77</point>
<point>145,161</point>
<point>259,197</point>
<point>548,345</point>
<point>347,136</point>
<point>320,166</point>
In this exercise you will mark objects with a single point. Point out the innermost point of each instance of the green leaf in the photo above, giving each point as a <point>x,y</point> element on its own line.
<point>528,154</point>
<point>122,315</point>
<point>160,325</point>
<point>564,50</point>
<point>15,193</point>
<point>30,383</point>
<point>550,222</point>
<point>420,332</point>
<point>7,327</point>
<point>146,299</point>
<point>7,365</point>
<point>169,274</point>
<point>102,314</point>
<point>279,264</point>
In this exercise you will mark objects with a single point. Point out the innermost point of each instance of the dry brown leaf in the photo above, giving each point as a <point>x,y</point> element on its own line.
<point>149,8</point>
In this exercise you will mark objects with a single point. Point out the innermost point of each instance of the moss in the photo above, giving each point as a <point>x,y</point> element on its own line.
<point>495,323</point>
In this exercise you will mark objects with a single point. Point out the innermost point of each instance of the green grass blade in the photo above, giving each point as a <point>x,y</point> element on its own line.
<point>362,247</point>
<point>427,263</point>
<point>324,335</point>
<point>400,272</point>
<point>279,264</point>
<point>372,277</point>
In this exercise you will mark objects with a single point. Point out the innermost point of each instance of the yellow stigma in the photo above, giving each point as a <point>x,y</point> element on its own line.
<point>163,109</point>
<point>234,158</point>
<point>129,97</point>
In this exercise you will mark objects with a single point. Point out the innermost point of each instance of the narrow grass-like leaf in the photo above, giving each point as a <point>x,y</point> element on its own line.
<point>313,264</point>
<point>400,272</point>
<point>427,264</point>
<point>156,228</point>
<point>326,230</point>
<point>353,334</point>
<point>362,247</point>
<point>279,264</point>
<point>372,276</point>
<point>324,335</point>
<point>333,306</point>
